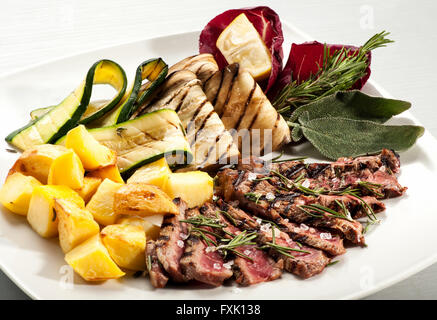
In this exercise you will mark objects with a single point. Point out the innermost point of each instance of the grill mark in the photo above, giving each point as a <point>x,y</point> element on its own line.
<point>196,113</point>
<point>249,99</point>
<point>201,66</point>
<point>214,101</point>
<point>231,86</point>
<point>253,121</point>
<point>217,139</point>
<point>226,152</point>
<point>277,122</point>
<point>239,179</point>
<point>205,120</point>
<point>182,101</point>
<point>166,224</point>
<point>318,170</point>
<point>207,79</point>
<point>293,170</point>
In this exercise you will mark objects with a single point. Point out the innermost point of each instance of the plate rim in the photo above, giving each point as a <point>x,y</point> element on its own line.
<point>414,269</point>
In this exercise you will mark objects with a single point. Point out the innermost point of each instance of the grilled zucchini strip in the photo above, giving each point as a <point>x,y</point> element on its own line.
<point>145,139</point>
<point>154,70</point>
<point>51,124</point>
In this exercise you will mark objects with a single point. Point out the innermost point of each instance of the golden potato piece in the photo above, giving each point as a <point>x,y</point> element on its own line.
<point>91,260</point>
<point>41,216</point>
<point>151,225</point>
<point>90,185</point>
<point>101,204</point>
<point>141,199</point>
<point>67,170</point>
<point>126,245</point>
<point>155,173</point>
<point>15,194</point>
<point>110,172</point>
<point>92,154</point>
<point>36,161</point>
<point>194,187</point>
<point>75,224</point>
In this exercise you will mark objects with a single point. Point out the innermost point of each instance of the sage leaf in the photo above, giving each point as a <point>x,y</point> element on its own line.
<point>353,105</point>
<point>338,137</point>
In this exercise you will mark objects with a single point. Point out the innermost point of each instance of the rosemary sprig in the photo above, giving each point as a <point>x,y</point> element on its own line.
<point>202,221</point>
<point>242,239</point>
<point>280,249</point>
<point>321,210</point>
<point>371,187</point>
<point>339,71</point>
<point>252,196</point>
<point>367,208</point>
<point>345,210</point>
<point>296,185</point>
<point>276,159</point>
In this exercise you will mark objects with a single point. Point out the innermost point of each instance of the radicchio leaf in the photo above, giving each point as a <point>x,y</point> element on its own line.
<point>266,22</point>
<point>304,60</point>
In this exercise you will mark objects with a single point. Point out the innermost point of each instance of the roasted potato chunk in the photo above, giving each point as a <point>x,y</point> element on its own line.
<point>151,224</point>
<point>110,172</point>
<point>36,161</point>
<point>41,216</point>
<point>141,199</point>
<point>15,194</point>
<point>75,224</point>
<point>155,173</point>
<point>67,170</point>
<point>91,260</point>
<point>101,204</point>
<point>126,245</point>
<point>194,187</point>
<point>92,154</point>
<point>90,185</point>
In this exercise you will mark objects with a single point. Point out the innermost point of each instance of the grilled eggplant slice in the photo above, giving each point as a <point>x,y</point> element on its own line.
<point>242,105</point>
<point>144,140</point>
<point>211,143</point>
<point>202,65</point>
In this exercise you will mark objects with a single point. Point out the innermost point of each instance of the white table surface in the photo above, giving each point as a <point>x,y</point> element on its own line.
<point>36,31</point>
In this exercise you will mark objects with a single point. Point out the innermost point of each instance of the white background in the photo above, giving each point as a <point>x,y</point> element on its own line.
<point>35,31</point>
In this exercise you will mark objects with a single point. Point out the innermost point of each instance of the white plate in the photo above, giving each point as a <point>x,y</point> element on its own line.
<point>403,244</point>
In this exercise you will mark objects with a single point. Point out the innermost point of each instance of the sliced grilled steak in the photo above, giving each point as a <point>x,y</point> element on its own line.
<point>320,239</point>
<point>170,244</point>
<point>357,207</point>
<point>157,275</point>
<point>262,268</point>
<point>263,199</point>
<point>200,264</point>
<point>304,264</point>
<point>372,175</point>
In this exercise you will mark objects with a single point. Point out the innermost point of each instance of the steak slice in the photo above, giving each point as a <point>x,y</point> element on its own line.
<point>170,244</point>
<point>358,208</point>
<point>199,263</point>
<point>320,239</point>
<point>157,275</point>
<point>262,199</point>
<point>303,264</point>
<point>372,175</point>
<point>261,268</point>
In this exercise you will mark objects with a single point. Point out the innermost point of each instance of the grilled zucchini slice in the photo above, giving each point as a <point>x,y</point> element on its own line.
<point>145,139</point>
<point>51,124</point>
<point>154,70</point>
